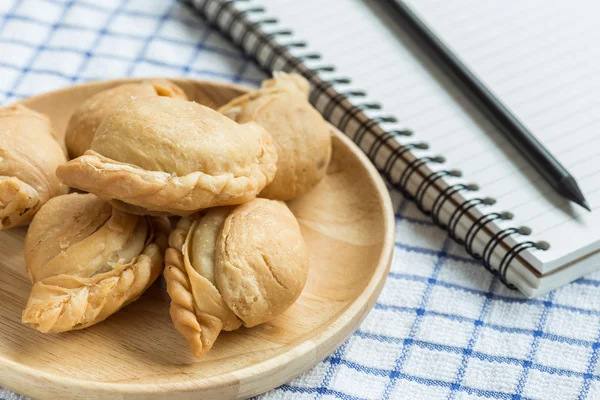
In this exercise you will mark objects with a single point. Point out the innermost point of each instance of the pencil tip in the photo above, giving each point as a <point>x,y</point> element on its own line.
<point>570,189</point>
<point>585,205</point>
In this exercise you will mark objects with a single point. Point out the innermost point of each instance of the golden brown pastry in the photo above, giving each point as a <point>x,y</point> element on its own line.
<point>88,116</point>
<point>86,260</point>
<point>29,155</point>
<point>162,155</point>
<point>301,135</point>
<point>232,266</point>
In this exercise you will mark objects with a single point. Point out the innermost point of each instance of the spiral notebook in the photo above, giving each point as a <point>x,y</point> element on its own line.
<point>376,86</point>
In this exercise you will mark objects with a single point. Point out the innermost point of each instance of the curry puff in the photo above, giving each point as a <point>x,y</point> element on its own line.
<point>301,135</point>
<point>160,155</point>
<point>88,116</point>
<point>233,266</point>
<point>87,260</point>
<point>29,155</point>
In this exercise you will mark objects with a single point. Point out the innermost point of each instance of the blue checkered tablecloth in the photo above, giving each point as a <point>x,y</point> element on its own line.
<point>442,328</point>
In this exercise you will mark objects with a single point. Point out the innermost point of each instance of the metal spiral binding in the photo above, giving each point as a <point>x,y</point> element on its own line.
<point>480,224</point>
<point>444,196</point>
<point>489,248</point>
<point>413,166</point>
<point>429,182</point>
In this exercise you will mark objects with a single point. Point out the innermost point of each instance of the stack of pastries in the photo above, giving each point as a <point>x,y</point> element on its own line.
<point>171,187</point>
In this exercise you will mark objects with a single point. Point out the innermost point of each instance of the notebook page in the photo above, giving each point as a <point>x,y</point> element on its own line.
<point>542,60</point>
<point>362,41</point>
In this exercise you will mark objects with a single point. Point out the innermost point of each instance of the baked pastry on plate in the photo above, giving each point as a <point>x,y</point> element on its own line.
<point>88,116</point>
<point>231,266</point>
<point>160,155</point>
<point>87,259</point>
<point>301,135</point>
<point>29,155</point>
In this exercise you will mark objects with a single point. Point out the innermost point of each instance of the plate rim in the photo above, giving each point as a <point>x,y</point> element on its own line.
<point>348,320</point>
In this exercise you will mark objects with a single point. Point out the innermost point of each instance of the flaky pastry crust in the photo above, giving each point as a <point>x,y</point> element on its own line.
<point>301,135</point>
<point>197,309</point>
<point>232,266</point>
<point>29,155</point>
<point>89,114</point>
<point>87,260</point>
<point>163,155</point>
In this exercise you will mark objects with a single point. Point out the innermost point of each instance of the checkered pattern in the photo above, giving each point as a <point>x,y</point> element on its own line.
<point>443,327</point>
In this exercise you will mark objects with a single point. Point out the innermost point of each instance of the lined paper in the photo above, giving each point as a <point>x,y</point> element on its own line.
<point>542,60</point>
<point>539,57</point>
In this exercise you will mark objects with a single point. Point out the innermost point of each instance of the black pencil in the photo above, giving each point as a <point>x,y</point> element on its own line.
<point>554,173</point>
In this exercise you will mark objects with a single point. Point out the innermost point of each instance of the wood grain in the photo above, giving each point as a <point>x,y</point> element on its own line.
<point>348,223</point>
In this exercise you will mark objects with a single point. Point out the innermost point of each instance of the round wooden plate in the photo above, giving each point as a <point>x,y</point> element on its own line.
<point>348,223</point>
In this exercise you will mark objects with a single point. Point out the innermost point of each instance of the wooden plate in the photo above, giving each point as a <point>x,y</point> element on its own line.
<point>348,223</point>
